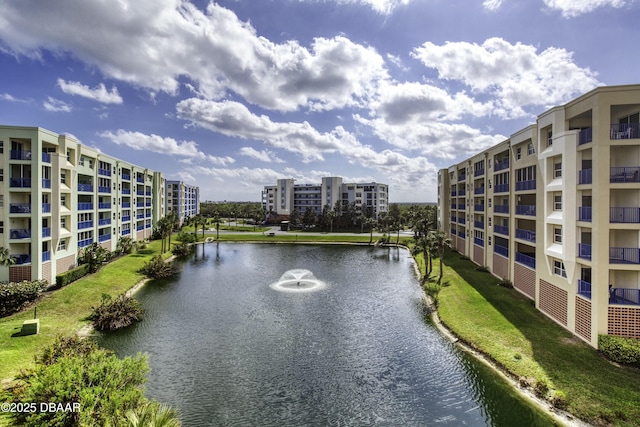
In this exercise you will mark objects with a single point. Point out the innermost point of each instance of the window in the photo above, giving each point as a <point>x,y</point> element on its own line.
<point>63,222</point>
<point>62,245</point>
<point>557,170</point>
<point>557,202</point>
<point>1,175</point>
<point>549,139</point>
<point>1,227</point>
<point>530,149</point>
<point>1,147</point>
<point>558,268</point>
<point>489,241</point>
<point>63,177</point>
<point>81,161</point>
<point>490,200</point>
<point>518,153</point>
<point>557,234</point>
<point>1,201</point>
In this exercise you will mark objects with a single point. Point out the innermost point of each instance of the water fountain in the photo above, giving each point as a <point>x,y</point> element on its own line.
<point>298,280</point>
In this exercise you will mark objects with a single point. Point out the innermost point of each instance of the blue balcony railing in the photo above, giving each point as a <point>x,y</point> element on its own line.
<point>126,218</point>
<point>462,193</point>
<point>462,177</point>
<point>104,237</point>
<point>628,296</point>
<point>148,215</point>
<point>85,206</point>
<point>46,232</point>
<point>478,172</point>
<point>21,259</point>
<point>454,219</point>
<point>528,235</point>
<point>625,174</point>
<point>140,204</point>
<point>461,220</point>
<point>501,188</point>
<point>478,241</point>
<point>104,205</point>
<point>501,208</point>
<point>453,231</point>
<point>104,221</point>
<point>147,225</point>
<point>478,208</point>
<point>20,182</point>
<point>478,190</point>
<point>624,255</point>
<point>584,251</point>
<point>585,176</point>
<point>501,165</point>
<point>104,172</point>
<point>453,206</point>
<point>46,207</point>
<point>454,193</point>
<point>147,193</point>
<point>46,157</point>
<point>501,250</point>
<point>584,213</point>
<point>630,215</point>
<point>46,183</point>
<point>140,227</point>
<point>147,204</point>
<point>20,155</point>
<point>20,233</point>
<point>140,193</point>
<point>140,179</point>
<point>85,242</point>
<point>139,216</point>
<point>625,131</point>
<point>584,288</point>
<point>126,191</point>
<point>526,260</point>
<point>85,224</point>
<point>529,210</point>
<point>126,176</point>
<point>526,185</point>
<point>126,204</point>
<point>125,232</point>
<point>104,189</point>
<point>85,187</point>
<point>46,256</point>
<point>20,208</point>
<point>585,136</point>
<point>501,229</point>
<point>478,224</point>
<point>461,234</point>
<point>462,206</point>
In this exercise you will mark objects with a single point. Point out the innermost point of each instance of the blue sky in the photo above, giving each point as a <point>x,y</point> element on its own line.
<point>232,95</point>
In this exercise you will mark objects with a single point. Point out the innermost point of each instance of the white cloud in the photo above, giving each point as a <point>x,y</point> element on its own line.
<point>263,155</point>
<point>384,7</point>
<point>56,105</point>
<point>492,4</point>
<point>11,98</point>
<point>568,8</point>
<point>162,145</point>
<point>99,93</point>
<point>516,74</point>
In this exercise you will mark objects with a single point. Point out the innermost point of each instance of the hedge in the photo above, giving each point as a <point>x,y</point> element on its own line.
<point>15,296</point>
<point>67,277</point>
<point>620,349</point>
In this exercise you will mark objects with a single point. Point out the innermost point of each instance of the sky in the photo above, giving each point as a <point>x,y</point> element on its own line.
<point>233,95</point>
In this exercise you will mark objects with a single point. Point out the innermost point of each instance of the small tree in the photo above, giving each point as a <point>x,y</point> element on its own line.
<point>156,268</point>
<point>441,242</point>
<point>113,314</point>
<point>5,257</point>
<point>93,255</point>
<point>126,245</point>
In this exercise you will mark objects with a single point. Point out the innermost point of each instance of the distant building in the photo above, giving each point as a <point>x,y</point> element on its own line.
<point>281,199</point>
<point>183,199</point>
<point>555,209</point>
<point>58,196</point>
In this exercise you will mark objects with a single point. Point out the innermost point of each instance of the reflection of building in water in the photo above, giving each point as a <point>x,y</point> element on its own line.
<point>554,209</point>
<point>281,199</point>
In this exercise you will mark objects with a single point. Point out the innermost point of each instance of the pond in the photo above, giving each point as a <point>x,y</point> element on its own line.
<point>308,335</point>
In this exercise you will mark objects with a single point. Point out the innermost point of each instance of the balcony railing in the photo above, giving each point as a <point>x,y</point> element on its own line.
<point>125,232</point>
<point>85,187</point>
<point>104,189</point>
<point>104,205</point>
<point>529,210</point>
<point>148,215</point>
<point>478,241</point>
<point>584,251</point>
<point>85,206</point>
<point>140,204</point>
<point>462,177</point>
<point>584,288</point>
<point>104,172</point>
<point>501,250</point>
<point>20,233</point>
<point>624,296</point>
<point>85,224</point>
<point>501,188</point>
<point>454,193</point>
<point>147,204</point>
<point>46,183</point>
<point>461,220</point>
<point>85,242</point>
<point>453,206</point>
<point>21,259</point>
<point>20,208</point>
<point>454,219</point>
<point>140,193</point>
<point>526,185</point>
<point>126,176</point>
<point>46,232</point>
<point>20,182</point>
<point>478,190</point>
<point>126,191</point>
<point>140,227</point>
<point>453,231</point>
<point>630,215</point>
<point>584,213</point>
<point>478,208</point>
<point>462,206</point>
<point>625,131</point>
<point>104,237</point>
<point>462,193</point>
<point>126,218</point>
<point>104,221</point>
<point>46,256</point>
<point>585,176</point>
<point>461,234</point>
<point>147,226</point>
<point>46,157</point>
<point>478,172</point>
<point>501,229</point>
<point>625,174</point>
<point>585,136</point>
<point>478,224</point>
<point>501,164</point>
<point>528,235</point>
<point>20,155</point>
<point>140,179</point>
<point>46,207</point>
<point>140,216</point>
<point>526,260</point>
<point>624,255</point>
<point>126,204</point>
<point>501,209</point>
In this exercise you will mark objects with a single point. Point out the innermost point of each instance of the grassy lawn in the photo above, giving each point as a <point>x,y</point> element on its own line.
<point>505,325</point>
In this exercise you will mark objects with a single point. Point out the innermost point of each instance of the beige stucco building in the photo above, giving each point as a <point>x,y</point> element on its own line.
<point>556,209</point>
<point>58,196</point>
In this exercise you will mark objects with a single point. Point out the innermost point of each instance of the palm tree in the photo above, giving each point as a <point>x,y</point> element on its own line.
<point>199,220</point>
<point>216,220</point>
<point>371,224</point>
<point>164,228</point>
<point>441,242</point>
<point>5,257</point>
<point>174,222</point>
<point>153,414</point>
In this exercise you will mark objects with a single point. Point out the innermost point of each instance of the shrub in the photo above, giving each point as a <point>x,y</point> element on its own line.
<point>620,349</point>
<point>126,245</point>
<point>113,314</point>
<point>482,268</point>
<point>541,388</point>
<point>67,277</point>
<point>15,296</point>
<point>433,290</point>
<point>505,283</point>
<point>559,400</point>
<point>186,237</point>
<point>93,256</point>
<point>183,249</point>
<point>156,268</point>
<point>65,347</point>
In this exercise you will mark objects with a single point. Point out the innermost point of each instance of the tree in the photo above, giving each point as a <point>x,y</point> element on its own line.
<point>93,255</point>
<point>441,242</point>
<point>371,224</point>
<point>198,221</point>
<point>113,314</point>
<point>395,218</point>
<point>309,217</point>
<point>174,223</point>
<point>163,229</point>
<point>126,245</point>
<point>156,268</point>
<point>5,257</point>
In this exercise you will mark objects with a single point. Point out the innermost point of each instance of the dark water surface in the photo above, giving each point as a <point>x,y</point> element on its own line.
<point>229,347</point>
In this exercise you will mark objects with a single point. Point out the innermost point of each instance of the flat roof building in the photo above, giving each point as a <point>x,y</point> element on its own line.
<point>183,199</point>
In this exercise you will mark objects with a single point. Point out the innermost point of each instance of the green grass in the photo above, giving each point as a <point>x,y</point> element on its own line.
<point>505,325</point>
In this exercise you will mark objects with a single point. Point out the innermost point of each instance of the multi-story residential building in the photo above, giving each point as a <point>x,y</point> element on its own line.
<point>286,196</point>
<point>58,196</point>
<point>556,209</point>
<point>183,199</point>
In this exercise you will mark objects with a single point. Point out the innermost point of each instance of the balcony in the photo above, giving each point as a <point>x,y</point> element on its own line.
<point>584,251</point>
<point>85,224</point>
<point>501,209</point>
<point>625,174</point>
<point>584,288</point>
<point>526,260</point>
<point>46,208</point>
<point>46,232</point>
<point>453,231</point>
<point>626,296</point>
<point>139,193</point>
<point>126,176</point>
<point>104,221</point>
<point>104,189</point>
<point>148,215</point>
<point>126,191</point>
<point>585,136</point>
<point>147,226</point>
<point>85,242</point>
<point>453,206</point>
<point>624,255</point>
<point>461,234</point>
<point>20,233</point>
<point>501,188</point>
<point>630,215</point>
<point>20,208</point>
<point>501,165</point>
<point>501,250</point>
<point>126,204</point>
<point>20,155</point>
<point>147,193</point>
<point>126,232</point>
<point>462,207</point>
<point>478,190</point>
<point>526,185</point>
<point>462,177</point>
<point>140,204</point>
<point>46,256</point>
<point>478,241</point>
<point>528,235</point>
<point>462,193</point>
<point>584,213</point>
<point>20,182</point>
<point>529,210</point>
<point>501,229</point>
<point>625,131</point>
<point>461,220</point>
<point>478,172</point>
<point>21,259</point>
<point>140,216</point>
<point>147,204</point>
<point>478,224</point>
<point>87,206</point>
<point>478,208</point>
<point>46,183</point>
<point>140,179</point>
<point>585,176</point>
<point>140,227</point>
<point>126,218</point>
<point>46,157</point>
<point>87,188</point>
<point>104,172</point>
<point>453,193</point>
<point>104,237</point>
<point>104,205</point>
